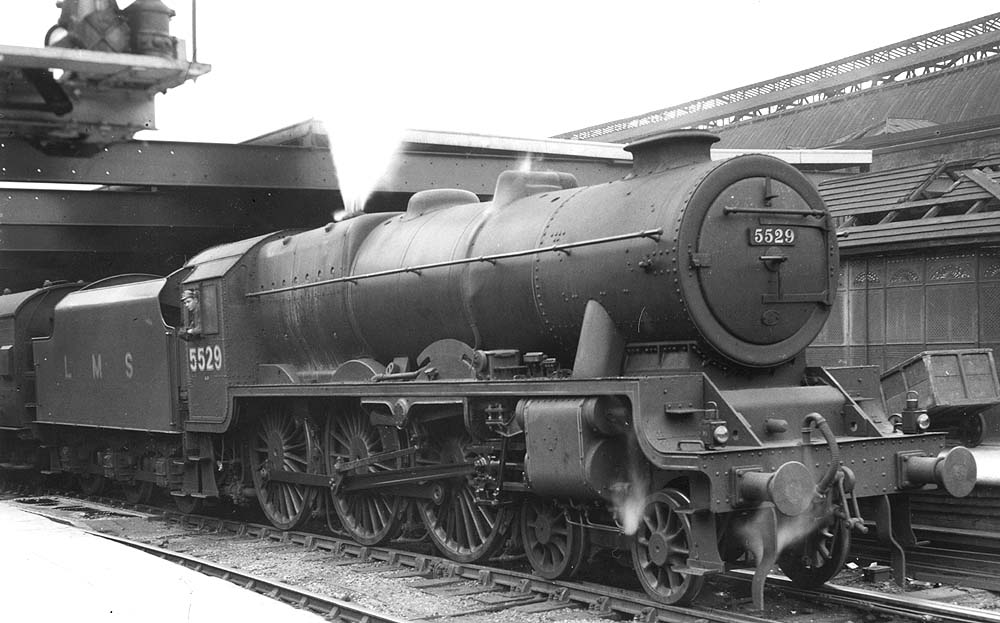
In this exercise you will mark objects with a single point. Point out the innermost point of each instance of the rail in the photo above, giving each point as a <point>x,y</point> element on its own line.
<point>330,608</point>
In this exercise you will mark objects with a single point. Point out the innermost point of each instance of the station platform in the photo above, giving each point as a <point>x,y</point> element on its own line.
<point>55,572</point>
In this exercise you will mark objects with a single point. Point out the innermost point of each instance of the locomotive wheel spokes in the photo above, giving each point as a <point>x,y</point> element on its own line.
<point>462,529</point>
<point>661,546</point>
<point>815,559</point>
<point>283,442</point>
<point>554,544</point>
<point>370,518</point>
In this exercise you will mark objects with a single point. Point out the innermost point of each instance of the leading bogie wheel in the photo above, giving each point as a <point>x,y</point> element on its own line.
<point>816,558</point>
<point>554,541</point>
<point>661,547</point>
<point>282,441</point>
<point>370,517</point>
<point>462,529</point>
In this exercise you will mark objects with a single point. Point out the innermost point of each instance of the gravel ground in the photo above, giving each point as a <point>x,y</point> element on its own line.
<point>374,585</point>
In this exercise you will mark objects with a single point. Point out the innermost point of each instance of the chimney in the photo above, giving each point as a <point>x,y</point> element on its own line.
<point>671,149</point>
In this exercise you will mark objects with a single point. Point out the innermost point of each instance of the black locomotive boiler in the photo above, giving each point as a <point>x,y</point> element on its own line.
<point>613,366</point>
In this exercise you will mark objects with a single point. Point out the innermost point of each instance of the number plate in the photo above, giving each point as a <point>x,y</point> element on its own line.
<point>205,358</point>
<point>772,236</point>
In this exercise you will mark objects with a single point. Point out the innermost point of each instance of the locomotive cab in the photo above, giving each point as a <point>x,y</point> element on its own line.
<point>219,346</point>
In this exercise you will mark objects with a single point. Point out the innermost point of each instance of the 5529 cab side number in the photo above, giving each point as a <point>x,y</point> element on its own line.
<point>205,358</point>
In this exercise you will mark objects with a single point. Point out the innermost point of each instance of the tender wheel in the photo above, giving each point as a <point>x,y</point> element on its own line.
<point>554,544</point>
<point>462,529</point>
<point>820,555</point>
<point>187,504</point>
<point>138,492</point>
<point>92,484</point>
<point>371,518</point>
<point>661,545</point>
<point>283,442</point>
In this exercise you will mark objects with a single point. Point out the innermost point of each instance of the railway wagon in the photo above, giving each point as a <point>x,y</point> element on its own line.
<point>920,271</point>
<point>610,366</point>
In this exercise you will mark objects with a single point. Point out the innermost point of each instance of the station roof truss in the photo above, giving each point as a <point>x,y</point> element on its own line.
<point>918,58</point>
<point>933,203</point>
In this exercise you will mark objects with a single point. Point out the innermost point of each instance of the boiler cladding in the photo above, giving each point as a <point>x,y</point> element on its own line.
<point>668,251</point>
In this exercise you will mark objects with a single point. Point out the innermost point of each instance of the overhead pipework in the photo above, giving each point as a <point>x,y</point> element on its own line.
<point>94,82</point>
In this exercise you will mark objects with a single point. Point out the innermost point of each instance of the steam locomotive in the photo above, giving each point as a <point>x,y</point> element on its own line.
<point>614,366</point>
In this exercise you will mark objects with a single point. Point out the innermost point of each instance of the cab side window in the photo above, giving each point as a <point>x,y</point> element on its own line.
<point>201,309</point>
<point>210,308</point>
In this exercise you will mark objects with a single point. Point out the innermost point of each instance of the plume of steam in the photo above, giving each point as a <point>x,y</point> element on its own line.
<point>628,498</point>
<point>750,532</point>
<point>364,141</point>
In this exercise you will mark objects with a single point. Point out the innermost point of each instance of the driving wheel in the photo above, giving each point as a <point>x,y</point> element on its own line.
<point>283,442</point>
<point>371,518</point>
<point>460,527</point>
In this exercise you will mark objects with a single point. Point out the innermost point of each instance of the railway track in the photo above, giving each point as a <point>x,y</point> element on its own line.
<point>946,557</point>
<point>501,588</point>
<point>960,540</point>
<point>899,606</point>
<point>506,588</point>
<point>329,607</point>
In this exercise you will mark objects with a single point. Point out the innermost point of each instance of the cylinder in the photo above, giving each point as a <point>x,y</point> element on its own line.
<point>567,455</point>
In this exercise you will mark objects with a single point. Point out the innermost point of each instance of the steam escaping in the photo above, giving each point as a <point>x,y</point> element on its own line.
<point>525,164</point>
<point>791,530</point>
<point>364,141</point>
<point>628,498</point>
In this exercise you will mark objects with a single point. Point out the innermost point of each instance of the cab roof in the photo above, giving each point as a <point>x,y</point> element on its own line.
<point>219,260</point>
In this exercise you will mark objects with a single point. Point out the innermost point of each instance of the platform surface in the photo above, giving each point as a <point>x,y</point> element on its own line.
<point>55,572</point>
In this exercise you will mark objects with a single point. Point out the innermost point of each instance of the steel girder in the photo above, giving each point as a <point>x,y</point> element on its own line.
<point>161,202</point>
<point>165,208</point>
<point>150,163</point>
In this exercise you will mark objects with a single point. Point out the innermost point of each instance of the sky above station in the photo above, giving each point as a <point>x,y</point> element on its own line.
<point>513,68</point>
